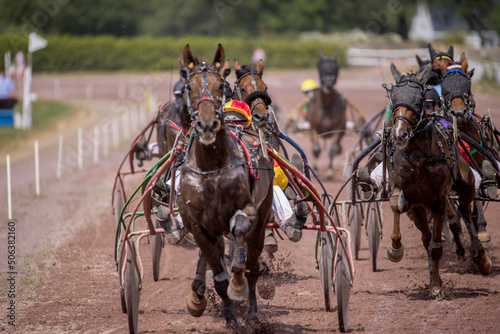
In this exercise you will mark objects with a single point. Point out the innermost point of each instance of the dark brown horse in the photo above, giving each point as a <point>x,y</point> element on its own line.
<point>459,104</point>
<point>426,167</point>
<point>219,195</point>
<point>327,111</point>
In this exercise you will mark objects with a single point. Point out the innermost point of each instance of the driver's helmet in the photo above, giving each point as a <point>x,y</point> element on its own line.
<point>237,112</point>
<point>308,84</point>
<point>432,95</point>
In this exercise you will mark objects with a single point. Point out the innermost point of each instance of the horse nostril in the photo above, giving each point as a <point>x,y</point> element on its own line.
<point>257,117</point>
<point>215,125</point>
<point>198,127</point>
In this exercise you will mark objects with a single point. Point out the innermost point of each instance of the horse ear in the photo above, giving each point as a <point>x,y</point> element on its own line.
<point>335,56</point>
<point>181,63</point>
<point>465,65</point>
<point>395,73</point>
<point>450,51</point>
<point>462,57</point>
<point>188,59</point>
<point>219,57</point>
<point>432,52</point>
<point>423,76</point>
<point>419,61</point>
<point>321,55</point>
<point>470,73</point>
<point>260,67</point>
<point>226,70</point>
<point>237,66</point>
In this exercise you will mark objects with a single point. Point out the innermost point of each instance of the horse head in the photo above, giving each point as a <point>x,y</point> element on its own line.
<point>328,71</point>
<point>407,99</point>
<point>204,86</point>
<point>250,87</point>
<point>456,89</point>
<point>438,58</point>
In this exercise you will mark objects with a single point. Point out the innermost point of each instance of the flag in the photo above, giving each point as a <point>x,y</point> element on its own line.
<point>36,43</point>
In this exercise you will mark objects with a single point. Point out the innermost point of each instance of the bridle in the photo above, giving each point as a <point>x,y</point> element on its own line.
<point>418,113</point>
<point>453,74</point>
<point>204,70</point>
<point>263,97</point>
<point>328,68</point>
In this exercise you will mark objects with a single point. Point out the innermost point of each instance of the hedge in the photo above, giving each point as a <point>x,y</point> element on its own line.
<point>108,53</point>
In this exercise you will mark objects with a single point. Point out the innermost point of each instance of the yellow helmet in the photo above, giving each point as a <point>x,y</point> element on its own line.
<point>308,84</point>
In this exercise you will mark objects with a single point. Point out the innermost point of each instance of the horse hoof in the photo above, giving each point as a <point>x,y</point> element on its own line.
<point>395,255</point>
<point>266,287</point>
<point>196,305</point>
<point>485,265</point>
<point>485,238</point>
<point>436,293</point>
<point>237,292</point>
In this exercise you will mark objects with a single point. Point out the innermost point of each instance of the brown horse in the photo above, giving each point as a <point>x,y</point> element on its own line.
<point>219,196</point>
<point>327,111</point>
<point>458,103</point>
<point>250,87</point>
<point>437,59</point>
<point>426,166</point>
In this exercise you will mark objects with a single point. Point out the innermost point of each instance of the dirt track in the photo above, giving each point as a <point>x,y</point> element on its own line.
<point>67,282</point>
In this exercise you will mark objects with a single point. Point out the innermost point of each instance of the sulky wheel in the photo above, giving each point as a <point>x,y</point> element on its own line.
<point>122,299</point>
<point>118,206</point>
<point>155,248</point>
<point>373,230</point>
<point>326,267</point>
<point>355,218</point>
<point>131,289</point>
<point>342,285</point>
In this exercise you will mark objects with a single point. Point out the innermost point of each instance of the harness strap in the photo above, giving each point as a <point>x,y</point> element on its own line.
<point>178,128</point>
<point>249,159</point>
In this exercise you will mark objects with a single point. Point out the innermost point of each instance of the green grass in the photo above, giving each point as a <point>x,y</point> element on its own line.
<point>46,114</point>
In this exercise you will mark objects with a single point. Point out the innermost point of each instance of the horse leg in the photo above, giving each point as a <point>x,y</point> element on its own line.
<point>254,250</point>
<point>481,260</point>
<point>240,224</point>
<point>482,234</point>
<point>455,228</point>
<point>435,251</point>
<point>395,249</point>
<point>316,148</point>
<point>214,254</point>
<point>196,302</point>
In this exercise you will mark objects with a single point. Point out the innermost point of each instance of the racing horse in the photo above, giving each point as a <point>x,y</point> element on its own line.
<point>220,195</point>
<point>459,103</point>
<point>425,167</point>
<point>250,87</point>
<point>327,111</point>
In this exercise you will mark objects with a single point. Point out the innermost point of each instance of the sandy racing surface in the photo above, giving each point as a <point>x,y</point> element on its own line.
<point>67,280</point>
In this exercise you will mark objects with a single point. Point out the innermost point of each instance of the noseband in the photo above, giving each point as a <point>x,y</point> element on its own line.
<point>204,69</point>
<point>266,99</point>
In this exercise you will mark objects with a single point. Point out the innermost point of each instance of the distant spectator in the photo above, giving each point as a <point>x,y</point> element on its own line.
<point>7,87</point>
<point>258,54</point>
